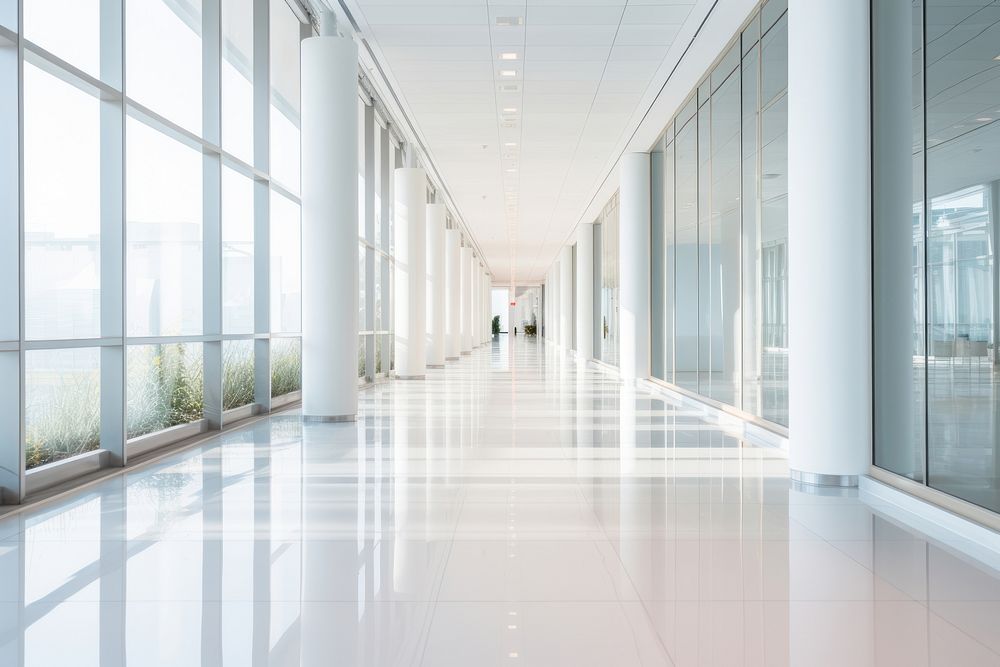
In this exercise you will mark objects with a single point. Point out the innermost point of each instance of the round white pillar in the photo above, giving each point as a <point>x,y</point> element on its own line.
<point>585,291</point>
<point>829,286</point>
<point>466,300</point>
<point>411,272</point>
<point>453,282</point>
<point>566,298</point>
<point>329,228</point>
<point>633,244</point>
<point>436,268</point>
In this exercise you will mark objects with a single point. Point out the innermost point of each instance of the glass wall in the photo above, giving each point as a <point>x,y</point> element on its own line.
<point>378,156</point>
<point>161,225</point>
<point>720,229</point>
<point>607,272</point>
<point>936,185</point>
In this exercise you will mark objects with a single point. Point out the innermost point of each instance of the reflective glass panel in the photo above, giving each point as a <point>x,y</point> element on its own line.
<point>237,253</point>
<point>165,386</point>
<point>62,409</point>
<point>164,211</point>
<point>62,208</point>
<point>237,78</point>
<point>286,265</point>
<point>163,53</point>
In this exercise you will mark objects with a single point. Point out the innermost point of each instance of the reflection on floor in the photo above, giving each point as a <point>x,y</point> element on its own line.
<point>511,509</point>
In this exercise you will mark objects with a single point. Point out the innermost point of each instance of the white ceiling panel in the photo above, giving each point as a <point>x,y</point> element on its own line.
<point>522,165</point>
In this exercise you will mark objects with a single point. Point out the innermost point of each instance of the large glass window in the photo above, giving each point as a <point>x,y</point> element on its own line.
<point>164,209</point>
<point>237,78</point>
<point>156,234</point>
<point>62,404</point>
<point>237,253</point>
<point>69,29</point>
<point>286,265</point>
<point>165,387</point>
<point>62,208</point>
<point>285,31</point>
<point>720,311</point>
<point>607,346</point>
<point>936,225</point>
<point>163,52</point>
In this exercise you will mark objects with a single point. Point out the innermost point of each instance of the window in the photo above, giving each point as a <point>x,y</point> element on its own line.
<point>935,230</point>
<point>62,404</point>
<point>164,208</point>
<point>163,55</point>
<point>284,95</point>
<point>286,265</point>
<point>237,253</point>
<point>165,387</point>
<point>62,208</point>
<point>69,29</point>
<point>237,78</point>
<point>721,325</point>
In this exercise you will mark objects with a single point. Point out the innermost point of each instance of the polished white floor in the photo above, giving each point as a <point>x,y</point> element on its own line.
<point>512,509</point>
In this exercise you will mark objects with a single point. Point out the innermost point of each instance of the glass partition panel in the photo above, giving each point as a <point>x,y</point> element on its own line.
<point>237,252</point>
<point>163,52</point>
<point>165,386</point>
<point>164,212</point>
<point>62,208</point>
<point>686,249</point>
<point>237,78</point>
<point>286,365</point>
<point>62,415</point>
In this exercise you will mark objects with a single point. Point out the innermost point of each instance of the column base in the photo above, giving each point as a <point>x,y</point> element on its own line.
<point>465,354</point>
<point>435,365</point>
<point>411,377</point>
<point>821,479</point>
<point>455,358</point>
<point>329,419</point>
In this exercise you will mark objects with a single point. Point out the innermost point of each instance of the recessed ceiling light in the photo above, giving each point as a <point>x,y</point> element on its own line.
<point>510,144</point>
<point>984,120</point>
<point>508,72</point>
<point>511,171</point>
<point>508,21</point>
<point>996,57</point>
<point>508,55</point>
<point>510,109</point>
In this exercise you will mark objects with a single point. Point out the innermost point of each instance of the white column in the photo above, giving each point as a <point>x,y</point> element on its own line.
<point>829,287</point>
<point>566,297</point>
<point>466,300</point>
<point>411,271</point>
<point>585,291</point>
<point>329,228</point>
<point>453,282</point>
<point>633,244</point>
<point>436,311</point>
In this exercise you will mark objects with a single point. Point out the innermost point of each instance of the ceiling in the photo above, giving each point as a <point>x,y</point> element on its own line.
<point>524,107</point>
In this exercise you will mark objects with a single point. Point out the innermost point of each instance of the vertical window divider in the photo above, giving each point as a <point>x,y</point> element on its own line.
<point>113,378</point>
<point>262,233</point>
<point>211,59</point>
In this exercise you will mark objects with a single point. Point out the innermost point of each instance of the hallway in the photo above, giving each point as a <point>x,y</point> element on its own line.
<point>511,509</point>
